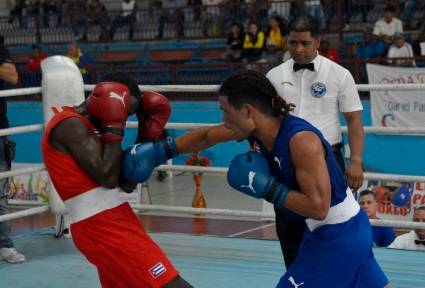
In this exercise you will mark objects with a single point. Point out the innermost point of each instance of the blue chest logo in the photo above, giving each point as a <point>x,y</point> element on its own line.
<point>318,89</point>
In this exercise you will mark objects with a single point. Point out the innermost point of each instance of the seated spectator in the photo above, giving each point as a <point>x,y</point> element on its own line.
<point>328,52</point>
<point>83,61</point>
<point>253,45</point>
<point>75,13</point>
<point>211,14</point>
<point>171,12</point>
<point>369,48</point>
<point>382,236</point>
<point>234,45</point>
<point>275,40</point>
<point>415,239</point>
<point>386,27</point>
<point>127,18</point>
<point>419,44</point>
<point>37,56</point>
<point>18,12</point>
<point>401,49</point>
<point>99,16</point>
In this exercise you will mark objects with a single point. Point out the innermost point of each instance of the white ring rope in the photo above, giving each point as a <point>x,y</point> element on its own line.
<point>21,129</point>
<point>214,88</point>
<point>210,88</point>
<point>417,131</point>
<point>222,170</point>
<point>256,214</point>
<point>20,92</point>
<point>24,213</point>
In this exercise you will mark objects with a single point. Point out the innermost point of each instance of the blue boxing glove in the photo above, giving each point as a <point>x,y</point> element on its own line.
<point>139,160</point>
<point>249,173</point>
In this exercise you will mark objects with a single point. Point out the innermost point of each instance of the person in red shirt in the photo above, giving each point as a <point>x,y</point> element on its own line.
<point>37,56</point>
<point>327,51</point>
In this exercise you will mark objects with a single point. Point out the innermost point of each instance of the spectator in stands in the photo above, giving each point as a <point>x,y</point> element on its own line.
<point>275,39</point>
<point>37,56</point>
<point>48,8</point>
<point>99,16</point>
<point>353,8</point>
<point>127,18</point>
<point>386,27</point>
<point>84,62</point>
<point>18,12</point>
<point>172,13</point>
<point>253,45</point>
<point>415,239</point>
<point>234,45</point>
<point>258,11</point>
<point>8,74</point>
<point>75,13</point>
<point>410,6</point>
<point>401,49</point>
<point>369,48</point>
<point>382,236</point>
<point>211,17</point>
<point>314,8</point>
<point>419,44</point>
<point>197,5</point>
<point>328,52</point>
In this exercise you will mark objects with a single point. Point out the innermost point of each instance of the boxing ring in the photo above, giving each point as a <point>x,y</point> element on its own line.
<point>204,261</point>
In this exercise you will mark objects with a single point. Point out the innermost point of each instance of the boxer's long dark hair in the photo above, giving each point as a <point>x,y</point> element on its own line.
<point>251,87</point>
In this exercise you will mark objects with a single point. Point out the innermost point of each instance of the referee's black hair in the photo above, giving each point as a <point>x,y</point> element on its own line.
<point>124,79</point>
<point>305,23</point>
<point>251,87</point>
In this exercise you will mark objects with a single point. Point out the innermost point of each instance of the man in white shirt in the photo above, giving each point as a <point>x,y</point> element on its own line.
<point>320,89</point>
<point>415,239</point>
<point>127,17</point>
<point>401,49</point>
<point>386,27</point>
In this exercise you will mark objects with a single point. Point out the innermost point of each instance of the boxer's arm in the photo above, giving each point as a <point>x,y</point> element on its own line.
<point>101,161</point>
<point>202,138</point>
<point>313,197</point>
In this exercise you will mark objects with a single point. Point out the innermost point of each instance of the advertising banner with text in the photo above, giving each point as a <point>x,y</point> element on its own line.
<point>397,108</point>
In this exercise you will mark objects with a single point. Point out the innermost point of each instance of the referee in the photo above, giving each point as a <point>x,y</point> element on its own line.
<point>320,89</point>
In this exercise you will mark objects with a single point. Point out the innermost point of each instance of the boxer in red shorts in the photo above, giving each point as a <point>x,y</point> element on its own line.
<point>81,148</point>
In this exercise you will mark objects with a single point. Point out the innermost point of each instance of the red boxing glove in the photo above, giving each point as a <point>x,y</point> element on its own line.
<point>109,103</point>
<point>153,114</point>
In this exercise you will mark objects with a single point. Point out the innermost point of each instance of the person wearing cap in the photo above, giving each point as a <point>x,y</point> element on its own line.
<point>401,49</point>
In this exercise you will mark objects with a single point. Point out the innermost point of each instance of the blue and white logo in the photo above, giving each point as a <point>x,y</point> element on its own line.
<point>318,89</point>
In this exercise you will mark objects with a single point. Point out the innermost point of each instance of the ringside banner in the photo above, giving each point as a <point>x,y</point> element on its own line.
<point>397,108</point>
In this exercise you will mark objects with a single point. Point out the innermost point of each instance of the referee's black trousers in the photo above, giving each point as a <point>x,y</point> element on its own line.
<point>290,229</point>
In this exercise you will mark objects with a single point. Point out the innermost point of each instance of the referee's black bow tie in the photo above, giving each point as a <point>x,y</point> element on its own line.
<point>420,242</point>
<point>309,66</point>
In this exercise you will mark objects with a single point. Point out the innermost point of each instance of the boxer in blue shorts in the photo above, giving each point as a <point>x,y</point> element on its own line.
<point>291,166</point>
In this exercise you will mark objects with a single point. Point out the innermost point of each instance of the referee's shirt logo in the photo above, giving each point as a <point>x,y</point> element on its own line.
<point>318,90</point>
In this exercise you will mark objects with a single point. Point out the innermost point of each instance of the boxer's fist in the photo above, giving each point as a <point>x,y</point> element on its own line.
<point>139,160</point>
<point>249,174</point>
<point>153,114</point>
<point>109,103</point>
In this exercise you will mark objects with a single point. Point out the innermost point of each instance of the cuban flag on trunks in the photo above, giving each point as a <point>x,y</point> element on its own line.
<point>157,270</point>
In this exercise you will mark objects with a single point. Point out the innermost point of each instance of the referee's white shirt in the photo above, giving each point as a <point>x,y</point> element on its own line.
<point>319,95</point>
<point>407,241</point>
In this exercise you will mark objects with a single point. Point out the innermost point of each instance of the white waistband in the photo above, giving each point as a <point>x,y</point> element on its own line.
<point>339,213</point>
<point>92,202</point>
